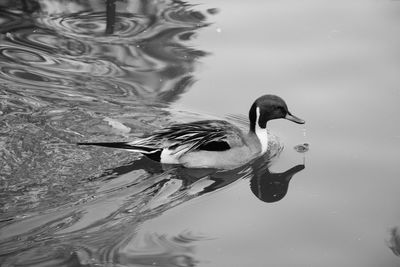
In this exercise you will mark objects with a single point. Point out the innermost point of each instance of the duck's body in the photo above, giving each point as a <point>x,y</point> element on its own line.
<point>211,143</point>
<point>217,145</point>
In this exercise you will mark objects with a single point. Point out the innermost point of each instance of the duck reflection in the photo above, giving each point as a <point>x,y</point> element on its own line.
<point>271,187</point>
<point>128,196</point>
<point>267,186</point>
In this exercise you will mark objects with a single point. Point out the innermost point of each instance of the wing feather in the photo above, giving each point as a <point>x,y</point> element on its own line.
<point>201,135</point>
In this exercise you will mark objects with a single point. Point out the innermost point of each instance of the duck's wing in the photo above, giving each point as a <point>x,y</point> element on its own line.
<point>178,139</point>
<point>210,135</point>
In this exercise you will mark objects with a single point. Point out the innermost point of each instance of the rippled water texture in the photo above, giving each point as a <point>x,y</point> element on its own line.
<point>80,71</point>
<point>96,70</point>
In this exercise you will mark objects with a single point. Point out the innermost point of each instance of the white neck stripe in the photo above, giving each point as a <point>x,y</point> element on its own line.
<point>261,133</point>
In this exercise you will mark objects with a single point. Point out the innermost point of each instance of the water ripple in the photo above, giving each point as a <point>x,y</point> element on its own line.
<point>59,255</point>
<point>68,69</point>
<point>15,54</point>
<point>57,55</point>
<point>160,250</point>
<point>92,26</point>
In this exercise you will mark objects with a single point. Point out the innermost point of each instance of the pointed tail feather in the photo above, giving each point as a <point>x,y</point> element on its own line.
<point>123,145</point>
<point>152,153</point>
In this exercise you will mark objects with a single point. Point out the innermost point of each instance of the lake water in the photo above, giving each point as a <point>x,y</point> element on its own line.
<point>73,71</point>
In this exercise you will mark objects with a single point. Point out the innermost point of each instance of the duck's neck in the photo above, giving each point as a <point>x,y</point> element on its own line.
<point>262,136</point>
<point>255,128</point>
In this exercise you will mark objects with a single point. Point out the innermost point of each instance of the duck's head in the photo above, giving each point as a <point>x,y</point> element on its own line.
<point>270,107</point>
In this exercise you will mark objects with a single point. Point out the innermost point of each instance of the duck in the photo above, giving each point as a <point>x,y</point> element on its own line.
<point>214,144</point>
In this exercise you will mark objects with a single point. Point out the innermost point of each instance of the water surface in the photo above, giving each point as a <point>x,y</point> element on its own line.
<point>75,71</point>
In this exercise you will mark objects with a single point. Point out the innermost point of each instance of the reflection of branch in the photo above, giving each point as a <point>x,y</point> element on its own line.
<point>29,6</point>
<point>178,89</point>
<point>394,242</point>
<point>110,9</point>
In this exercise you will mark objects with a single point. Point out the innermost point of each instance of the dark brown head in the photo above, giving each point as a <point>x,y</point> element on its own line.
<point>269,107</point>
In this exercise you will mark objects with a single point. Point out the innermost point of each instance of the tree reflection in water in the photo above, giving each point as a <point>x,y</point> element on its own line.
<point>71,68</point>
<point>394,242</point>
<point>67,69</point>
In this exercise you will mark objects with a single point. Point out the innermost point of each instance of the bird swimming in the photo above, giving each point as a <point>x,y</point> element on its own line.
<point>211,143</point>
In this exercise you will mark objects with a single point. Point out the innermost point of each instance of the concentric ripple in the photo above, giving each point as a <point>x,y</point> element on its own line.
<point>93,25</point>
<point>64,67</point>
<point>17,55</point>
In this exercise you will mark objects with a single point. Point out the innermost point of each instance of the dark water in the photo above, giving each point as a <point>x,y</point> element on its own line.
<point>75,71</point>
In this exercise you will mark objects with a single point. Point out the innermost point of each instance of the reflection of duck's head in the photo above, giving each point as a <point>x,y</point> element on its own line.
<point>272,187</point>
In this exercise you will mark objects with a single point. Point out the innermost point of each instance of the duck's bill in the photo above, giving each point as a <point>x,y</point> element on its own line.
<point>294,119</point>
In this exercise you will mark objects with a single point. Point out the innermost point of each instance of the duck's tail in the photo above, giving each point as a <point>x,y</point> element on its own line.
<point>150,152</point>
<point>122,145</point>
